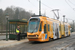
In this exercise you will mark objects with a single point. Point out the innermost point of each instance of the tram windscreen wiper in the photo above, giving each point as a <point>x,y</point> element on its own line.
<point>34,29</point>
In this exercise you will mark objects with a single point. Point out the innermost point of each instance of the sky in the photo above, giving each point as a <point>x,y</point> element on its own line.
<point>33,6</point>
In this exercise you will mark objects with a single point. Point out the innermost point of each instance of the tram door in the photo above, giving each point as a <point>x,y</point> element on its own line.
<point>45,30</point>
<point>54,31</point>
<point>58,31</point>
<point>66,30</point>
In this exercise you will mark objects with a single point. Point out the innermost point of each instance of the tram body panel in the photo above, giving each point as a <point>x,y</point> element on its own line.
<point>43,29</point>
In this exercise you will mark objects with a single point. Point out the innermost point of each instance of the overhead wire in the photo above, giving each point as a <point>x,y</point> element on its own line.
<point>71,2</point>
<point>42,4</point>
<point>60,13</point>
<point>31,3</point>
<point>45,5</point>
<point>52,8</point>
<point>69,5</point>
<point>70,19</point>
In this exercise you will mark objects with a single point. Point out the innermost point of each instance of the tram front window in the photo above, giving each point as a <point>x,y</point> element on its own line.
<point>33,26</point>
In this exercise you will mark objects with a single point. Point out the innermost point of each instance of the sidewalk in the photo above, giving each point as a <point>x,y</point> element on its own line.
<point>4,43</point>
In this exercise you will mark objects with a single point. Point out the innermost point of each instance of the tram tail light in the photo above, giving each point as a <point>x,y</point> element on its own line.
<point>37,35</point>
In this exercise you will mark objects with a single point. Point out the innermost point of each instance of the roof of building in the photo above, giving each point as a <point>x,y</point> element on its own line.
<point>17,20</point>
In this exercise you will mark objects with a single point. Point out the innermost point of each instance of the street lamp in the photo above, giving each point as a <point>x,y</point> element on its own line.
<point>7,16</point>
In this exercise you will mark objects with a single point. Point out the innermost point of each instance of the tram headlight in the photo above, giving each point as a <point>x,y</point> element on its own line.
<point>37,35</point>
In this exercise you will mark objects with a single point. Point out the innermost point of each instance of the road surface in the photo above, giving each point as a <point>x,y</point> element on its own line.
<point>53,45</point>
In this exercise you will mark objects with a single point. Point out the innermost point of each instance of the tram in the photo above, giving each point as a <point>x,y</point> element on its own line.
<point>42,28</point>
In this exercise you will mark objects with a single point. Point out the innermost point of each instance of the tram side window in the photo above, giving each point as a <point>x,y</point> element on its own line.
<point>45,31</point>
<point>53,27</point>
<point>59,28</point>
<point>65,27</point>
<point>40,27</point>
<point>48,27</point>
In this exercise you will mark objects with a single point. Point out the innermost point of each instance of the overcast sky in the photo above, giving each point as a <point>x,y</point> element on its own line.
<point>32,5</point>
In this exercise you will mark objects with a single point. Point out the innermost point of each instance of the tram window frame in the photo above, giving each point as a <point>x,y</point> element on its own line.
<point>40,27</point>
<point>48,27</point>
<point>45,30</point>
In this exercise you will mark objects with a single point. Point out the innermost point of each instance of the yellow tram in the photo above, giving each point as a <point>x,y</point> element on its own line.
<point>43,29</point>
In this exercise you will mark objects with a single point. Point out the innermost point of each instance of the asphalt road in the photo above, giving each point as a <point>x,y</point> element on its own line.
<point>53,45</point>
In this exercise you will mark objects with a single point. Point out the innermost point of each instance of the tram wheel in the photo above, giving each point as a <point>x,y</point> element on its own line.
<point>49,39</point>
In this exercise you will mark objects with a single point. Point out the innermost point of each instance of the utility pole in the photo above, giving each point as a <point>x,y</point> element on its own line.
<point>57,16</point>
<point>39,7</point>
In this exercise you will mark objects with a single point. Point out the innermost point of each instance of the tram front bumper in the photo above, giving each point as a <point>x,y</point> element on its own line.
<point>32,36</point>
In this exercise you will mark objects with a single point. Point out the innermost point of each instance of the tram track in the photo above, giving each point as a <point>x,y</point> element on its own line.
<point>51,43</point>
<point>41,46</point>
<point>71,39</point>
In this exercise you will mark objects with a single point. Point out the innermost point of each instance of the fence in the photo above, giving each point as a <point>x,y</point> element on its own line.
<point>2,28</point>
